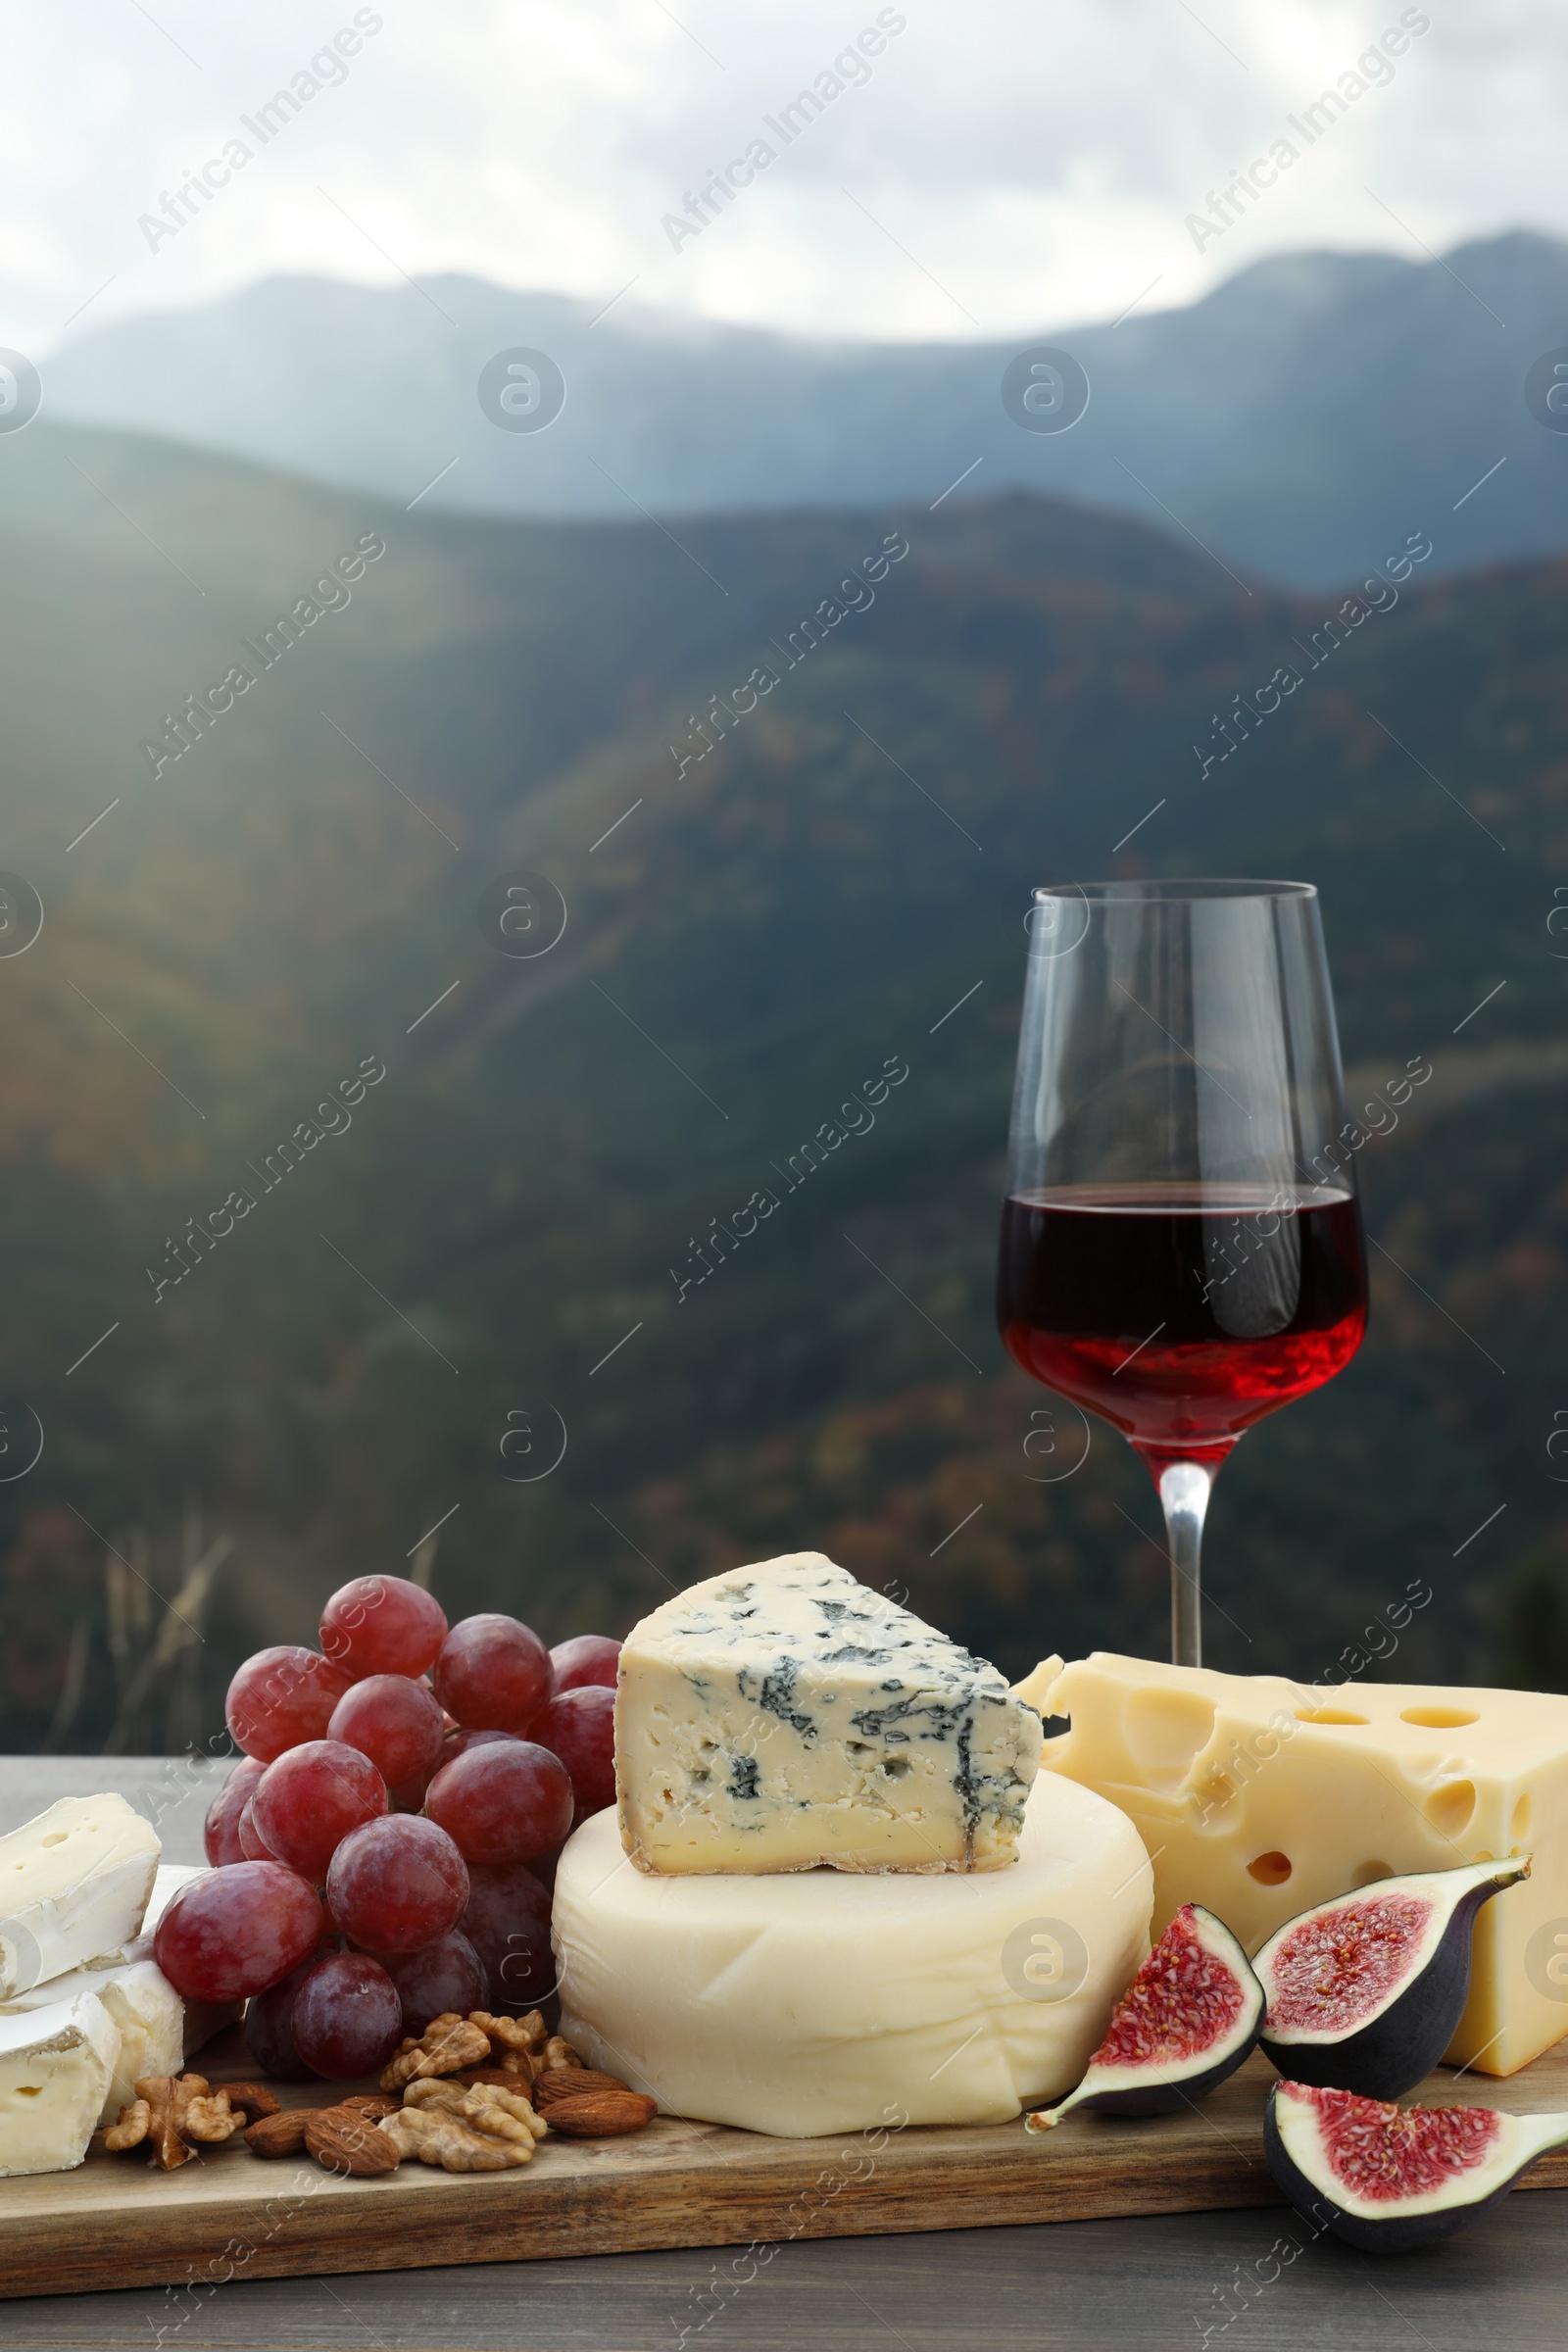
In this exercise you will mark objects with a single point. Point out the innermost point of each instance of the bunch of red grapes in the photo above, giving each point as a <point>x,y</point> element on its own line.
<point>385,1851</point>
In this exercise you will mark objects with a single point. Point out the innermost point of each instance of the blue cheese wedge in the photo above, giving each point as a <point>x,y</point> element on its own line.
<point>785,1717</point>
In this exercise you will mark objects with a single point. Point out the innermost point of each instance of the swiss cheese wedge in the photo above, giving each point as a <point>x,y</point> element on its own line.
<point>1258,1798</point>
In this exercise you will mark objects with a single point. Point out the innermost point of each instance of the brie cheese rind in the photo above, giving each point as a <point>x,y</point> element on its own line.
<point>57,2065</point>
<point>74,1888</point>
<point>149,2012</point>
<point>785,1717</point>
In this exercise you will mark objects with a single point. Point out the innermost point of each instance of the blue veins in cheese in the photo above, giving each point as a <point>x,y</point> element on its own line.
<point>785,1717</point>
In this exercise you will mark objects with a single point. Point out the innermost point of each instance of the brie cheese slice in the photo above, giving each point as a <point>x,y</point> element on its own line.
<point>73,1887</point>
<point>143,2004</point>
<point>57,2064</point>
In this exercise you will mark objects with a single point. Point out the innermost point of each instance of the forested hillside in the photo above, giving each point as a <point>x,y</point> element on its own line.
<point>380,1211</point>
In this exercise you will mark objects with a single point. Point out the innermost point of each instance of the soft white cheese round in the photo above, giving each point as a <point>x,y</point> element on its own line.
<point>821,2001</point>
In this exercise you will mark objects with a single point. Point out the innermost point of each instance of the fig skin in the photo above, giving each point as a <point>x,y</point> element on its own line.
<point>1398,2048</point>
<point>1164,2098</point>
<point>1398,2233</point>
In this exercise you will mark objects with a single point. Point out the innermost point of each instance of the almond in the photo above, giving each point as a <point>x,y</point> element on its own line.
<point>280,2135</point>
<point>599,2114</point>
<point>502,2077</point>
<point>570,2082</point>
<point>250,2100</point>
<point>372,2104</point>
<point>346,2142</point>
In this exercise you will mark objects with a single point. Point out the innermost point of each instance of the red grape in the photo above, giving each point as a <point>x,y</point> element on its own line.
<point>270,2028</point>
<point>458,1744</point>
<point>281,1696</point>
<point>492,1674</point>
<point>310,1799</point>
<point>585,1663</point>
<point>579,1726</point>
<point>220,1834</point>
<point>382,1625</point>
<point>236,1930</point>
<point>393,1721</point>
<point>444,1978</point>
<point>508,1923</point>
<point>409,1796</point>
<point>252,1844</point>
<point>397,1883</point>
<point>503,1802</point>
<point>346,2017</point>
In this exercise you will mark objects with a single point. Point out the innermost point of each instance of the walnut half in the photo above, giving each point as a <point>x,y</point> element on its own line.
<point>485,2106</point>
<point>174,2113</point>
<point>517,2041</point>
<point>436,2137</point>
<point>448,2045</point>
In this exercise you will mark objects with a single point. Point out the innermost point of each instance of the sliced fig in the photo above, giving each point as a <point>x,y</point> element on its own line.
<point>1391,2178</point>
<point>1364,1992</point>
<point>1187,2020</point>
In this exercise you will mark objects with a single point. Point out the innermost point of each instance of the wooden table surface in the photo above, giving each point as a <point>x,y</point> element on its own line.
<point>1153,2285</point>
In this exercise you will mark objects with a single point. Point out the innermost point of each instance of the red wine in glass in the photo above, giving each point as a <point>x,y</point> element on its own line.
<point>1181,1247</point>
<point>1081,1270</point>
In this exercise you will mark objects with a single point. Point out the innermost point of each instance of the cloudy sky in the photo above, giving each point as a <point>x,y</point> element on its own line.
<point>999,165</point>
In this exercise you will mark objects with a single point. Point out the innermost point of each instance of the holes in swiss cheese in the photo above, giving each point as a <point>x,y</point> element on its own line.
<point>1448,1808</point>
<point>1270,1869</point>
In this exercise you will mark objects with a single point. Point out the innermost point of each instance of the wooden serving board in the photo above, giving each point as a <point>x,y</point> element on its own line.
<point>117,2223</point>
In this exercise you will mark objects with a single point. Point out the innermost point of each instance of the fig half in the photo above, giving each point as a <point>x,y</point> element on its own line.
<point>1187,2020</point>
<point>1389,2179</point>
<point>1364,1992</point>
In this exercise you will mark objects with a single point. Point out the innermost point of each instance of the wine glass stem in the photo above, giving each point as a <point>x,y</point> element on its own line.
<point>1184,1492</point>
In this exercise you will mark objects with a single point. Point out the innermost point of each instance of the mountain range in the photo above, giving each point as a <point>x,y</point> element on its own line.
<point>335,1220</point>
<point>1289,422</point>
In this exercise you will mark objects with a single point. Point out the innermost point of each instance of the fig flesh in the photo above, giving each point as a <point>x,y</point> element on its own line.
<point>1365,1993</point>
<point>1389,2179</point>
<point>1187,2020</point>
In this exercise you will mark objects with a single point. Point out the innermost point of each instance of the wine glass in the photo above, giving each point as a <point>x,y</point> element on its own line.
<point>1181,1242</point>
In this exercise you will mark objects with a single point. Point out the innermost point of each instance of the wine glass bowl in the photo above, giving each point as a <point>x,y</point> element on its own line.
<point>1181,1242</point>
<point>1242,1335</point>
